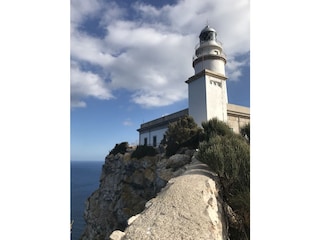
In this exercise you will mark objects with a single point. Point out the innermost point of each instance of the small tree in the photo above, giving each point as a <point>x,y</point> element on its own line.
<point>119,148</point>
<point>184,132</point>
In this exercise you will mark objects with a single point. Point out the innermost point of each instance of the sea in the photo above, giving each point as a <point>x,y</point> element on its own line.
<point>84,180</point>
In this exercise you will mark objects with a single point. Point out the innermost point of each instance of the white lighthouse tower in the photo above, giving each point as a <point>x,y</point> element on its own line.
<point>207,87</point>
<point>207,93</point>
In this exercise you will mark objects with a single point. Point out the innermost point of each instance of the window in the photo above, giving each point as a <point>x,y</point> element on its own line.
<point>215,83</point>
<point>154,141</point>
<point>145,141</point>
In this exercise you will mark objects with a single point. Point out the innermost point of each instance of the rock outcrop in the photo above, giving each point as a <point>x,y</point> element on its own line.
<point>188,208</point>
<point>126,185</point>
<point>155,198</point>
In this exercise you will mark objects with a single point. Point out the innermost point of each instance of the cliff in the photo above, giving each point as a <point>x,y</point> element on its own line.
<point>155,198</point>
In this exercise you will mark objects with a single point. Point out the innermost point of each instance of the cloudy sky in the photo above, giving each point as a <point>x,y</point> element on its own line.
<point>130,60</point>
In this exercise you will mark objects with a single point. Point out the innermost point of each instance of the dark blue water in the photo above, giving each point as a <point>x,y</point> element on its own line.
<point>84,181</point>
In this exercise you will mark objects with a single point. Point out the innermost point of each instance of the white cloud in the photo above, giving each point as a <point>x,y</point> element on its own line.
<point>89,49</point>
<point>127,122</point>
<point>82,9</point>
<point>151,54</point>
<point>233,69</point>
<point>111,12</point>
<point>147,10</point>
<point>155,98</point>
<point>76,103</point>
<point>86,84</point>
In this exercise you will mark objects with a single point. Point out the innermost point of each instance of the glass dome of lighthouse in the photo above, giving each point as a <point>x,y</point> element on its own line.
<point>209,52</point>
<point>208,34</point>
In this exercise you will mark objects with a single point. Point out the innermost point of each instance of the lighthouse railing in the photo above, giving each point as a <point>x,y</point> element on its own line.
<point>222,54</point>
<point>201,43</point>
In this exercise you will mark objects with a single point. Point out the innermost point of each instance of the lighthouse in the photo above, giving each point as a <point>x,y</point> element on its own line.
<point>207,88</point>
<point>207,93</point>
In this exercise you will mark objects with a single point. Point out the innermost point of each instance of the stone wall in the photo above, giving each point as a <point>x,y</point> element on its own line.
<point>238,116</point>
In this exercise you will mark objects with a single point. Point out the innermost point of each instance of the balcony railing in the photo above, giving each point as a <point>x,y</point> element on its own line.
<point>207,43</point>
<point>194,57</point>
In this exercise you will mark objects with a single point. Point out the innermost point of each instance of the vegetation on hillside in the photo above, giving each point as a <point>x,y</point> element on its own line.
<point>228,155</point>
<point>245,131</point>
<point>214,128</point>
<point>182,133</point>
<point>119,148</point>
<point>225,152</point>
<point>143,150</point>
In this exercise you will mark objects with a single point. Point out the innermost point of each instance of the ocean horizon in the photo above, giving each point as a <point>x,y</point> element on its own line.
<point>84,180</point>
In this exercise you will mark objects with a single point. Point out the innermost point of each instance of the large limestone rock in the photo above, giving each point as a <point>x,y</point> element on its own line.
<point>125,186</point>
<point>188,208</point>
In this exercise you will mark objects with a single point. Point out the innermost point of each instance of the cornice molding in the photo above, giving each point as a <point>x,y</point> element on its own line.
<point>208,73</point>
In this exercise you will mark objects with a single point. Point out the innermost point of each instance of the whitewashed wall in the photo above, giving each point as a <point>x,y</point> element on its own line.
<point>150,134</point>
<point>197,100</point>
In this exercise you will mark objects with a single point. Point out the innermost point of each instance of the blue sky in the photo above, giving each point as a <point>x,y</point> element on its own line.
<point>130,60</point>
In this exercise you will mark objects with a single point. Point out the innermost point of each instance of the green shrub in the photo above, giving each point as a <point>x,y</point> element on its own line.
<point>119,148</point>
<point>142,151</point>
<point>245,131</point>
<point>215,127</point>
<point>172,148</point>
<point>241,203</point>
<point>228,155</point>
<point>184,132</point>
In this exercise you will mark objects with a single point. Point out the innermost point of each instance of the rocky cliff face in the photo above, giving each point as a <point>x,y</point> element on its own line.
<point>125,186</point>
<point>187,207</point>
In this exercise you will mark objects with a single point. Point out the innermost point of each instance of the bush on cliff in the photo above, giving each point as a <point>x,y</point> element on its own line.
<point>142,151</point>
<point>182,133</point>
<point>245,131</point>
<point>119,148</point>
<point>215,127</point>
<point>228,155</point>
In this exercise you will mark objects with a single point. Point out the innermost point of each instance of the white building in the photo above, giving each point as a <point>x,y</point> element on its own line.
<point>207,93</point>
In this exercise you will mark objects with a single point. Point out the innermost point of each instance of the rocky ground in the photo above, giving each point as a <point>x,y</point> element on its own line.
<point>188,208</point>
<point>155,198</point>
